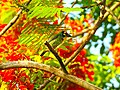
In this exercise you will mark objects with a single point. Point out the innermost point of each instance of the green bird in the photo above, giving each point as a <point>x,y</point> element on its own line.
<point>57,40</point>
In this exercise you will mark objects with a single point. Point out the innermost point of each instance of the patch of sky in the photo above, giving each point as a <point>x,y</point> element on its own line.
<point>116,26</point>
<point>99,32</point>
<point>115,81</point>
<point>68,4</point>
<point>109,26</point>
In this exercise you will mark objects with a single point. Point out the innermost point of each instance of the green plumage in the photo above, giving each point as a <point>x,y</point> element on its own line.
<point>57,39</point>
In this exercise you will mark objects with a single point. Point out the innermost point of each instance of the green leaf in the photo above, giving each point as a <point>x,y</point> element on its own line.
<point>86,2</point>
<point>99,67</point>
<point>42,12</point>
<point>45,11</point>
<point>102,49</point>
<point>95,38</point>
<point>117,70</point>
<point>54,63</point>
<point>106,67</point>
<point>93,57</point>
<point>35,12</point>
<point>71,9</point>
<point>96,45</point>
<point>54,11</point>
<point>58,13</point>
<point>106,59</point>
<point>8,15</point>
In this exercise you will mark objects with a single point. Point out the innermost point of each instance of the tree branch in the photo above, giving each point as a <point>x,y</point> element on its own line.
<point>15,18</point>
<point>113,15</point>
<point>31,64</point>
<point>112,9</point>
<point>57,56</point>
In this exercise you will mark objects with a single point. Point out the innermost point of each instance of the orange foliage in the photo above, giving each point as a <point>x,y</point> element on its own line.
<point>79,67</point>
<point>115,48</point>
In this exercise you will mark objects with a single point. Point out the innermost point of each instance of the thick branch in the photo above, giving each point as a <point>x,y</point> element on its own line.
<point>15,18</point>
<point>31,64</point>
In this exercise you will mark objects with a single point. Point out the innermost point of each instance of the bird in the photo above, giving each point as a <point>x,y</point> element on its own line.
<point>60,35</point>
<point>56,40</point>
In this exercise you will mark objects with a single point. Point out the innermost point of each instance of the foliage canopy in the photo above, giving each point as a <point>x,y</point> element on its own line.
<point>79,40</point>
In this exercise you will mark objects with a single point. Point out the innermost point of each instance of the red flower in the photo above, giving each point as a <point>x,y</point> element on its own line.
<point>55,22</point>
<point>2,25</point>
<point>74,87</point>
<point>4,0</point>
<point>7,75</point>
<point>22,87</point>
<point>117,62</point>
<point>1,50</point>
<point>64,53</point>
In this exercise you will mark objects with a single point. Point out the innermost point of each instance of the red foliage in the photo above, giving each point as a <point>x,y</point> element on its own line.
<point>77,25</point>
<point>2,26</point>
<point>4,0</point>
<point>46,74</point>
<point>10,47</point>
<point>1,50</point>
<point>115,48</point>
<point>80,67</point>
<point>55,22</point>
<point>74,87</point>
<point>14,78</point>
<point>15,57</point>
<point>45,58</point>
<point>74,24</point>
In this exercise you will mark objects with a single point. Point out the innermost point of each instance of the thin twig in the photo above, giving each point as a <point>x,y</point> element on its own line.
<point>57,56</point>
<point>92,5</point>
<point>15,18</point>
<point>112,9</point>
<point>31,64</point>
<point>113,15</point>
<point>104,5</point>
